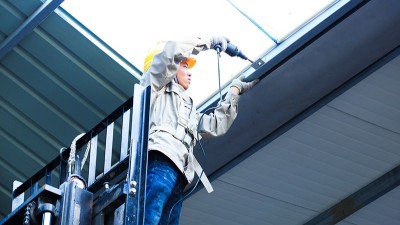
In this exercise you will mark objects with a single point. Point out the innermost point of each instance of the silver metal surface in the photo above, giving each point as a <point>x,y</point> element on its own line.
<point>47,218</point>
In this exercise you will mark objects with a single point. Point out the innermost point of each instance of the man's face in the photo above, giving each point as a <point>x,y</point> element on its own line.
<point>184,75</point>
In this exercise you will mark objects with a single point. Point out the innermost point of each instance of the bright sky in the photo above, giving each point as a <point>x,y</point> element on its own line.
<point>132,27</point>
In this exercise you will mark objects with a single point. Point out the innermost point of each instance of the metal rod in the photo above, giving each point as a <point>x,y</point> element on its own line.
<point>125,134</point>
<point>47,218</point>
<point>255,23</point>
<point>108,150</point>
<point>92,160</point>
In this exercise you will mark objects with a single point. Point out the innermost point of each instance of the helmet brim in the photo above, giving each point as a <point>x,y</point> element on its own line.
<point>190,61</point>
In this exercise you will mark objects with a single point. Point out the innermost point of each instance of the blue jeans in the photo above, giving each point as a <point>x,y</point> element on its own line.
<point>164,190</point>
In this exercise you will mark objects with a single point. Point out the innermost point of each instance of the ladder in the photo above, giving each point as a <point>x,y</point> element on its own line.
<point>109,190</point>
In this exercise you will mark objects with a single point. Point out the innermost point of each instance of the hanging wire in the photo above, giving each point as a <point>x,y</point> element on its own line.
<point>218,49</point>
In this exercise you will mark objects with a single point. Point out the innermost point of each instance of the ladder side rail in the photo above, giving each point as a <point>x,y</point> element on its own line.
<point>136,177</point>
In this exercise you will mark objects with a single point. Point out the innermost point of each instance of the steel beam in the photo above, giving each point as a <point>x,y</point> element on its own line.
<point>28,25</point>
<point>359,199</point>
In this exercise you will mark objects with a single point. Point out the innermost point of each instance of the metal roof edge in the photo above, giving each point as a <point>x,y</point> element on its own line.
<point>292,45</point>
<point>277,57</point>
<point>308,111</point>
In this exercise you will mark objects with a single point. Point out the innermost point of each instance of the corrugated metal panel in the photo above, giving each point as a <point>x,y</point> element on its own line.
<point>342,147</point>
<point>54,85</point>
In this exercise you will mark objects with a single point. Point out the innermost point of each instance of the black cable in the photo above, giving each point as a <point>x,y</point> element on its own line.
<point>219,76</point>
<point>198,138</point>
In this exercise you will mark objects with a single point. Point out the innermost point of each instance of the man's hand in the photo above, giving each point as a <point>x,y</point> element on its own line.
<point>243,86</point>
<point>221,41</point>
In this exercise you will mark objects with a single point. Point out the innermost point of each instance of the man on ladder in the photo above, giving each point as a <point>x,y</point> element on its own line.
<point>175,125</point>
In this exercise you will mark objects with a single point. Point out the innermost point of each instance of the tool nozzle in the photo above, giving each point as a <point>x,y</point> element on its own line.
<point>232,50</point>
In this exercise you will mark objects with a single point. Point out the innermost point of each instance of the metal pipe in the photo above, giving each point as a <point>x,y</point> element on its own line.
<point>47,218</point>
<point>255,23</point>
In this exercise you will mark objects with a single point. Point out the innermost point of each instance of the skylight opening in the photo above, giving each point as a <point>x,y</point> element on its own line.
<point>256,27</point>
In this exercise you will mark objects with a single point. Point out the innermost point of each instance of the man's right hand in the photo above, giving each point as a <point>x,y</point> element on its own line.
<point>220,41</point>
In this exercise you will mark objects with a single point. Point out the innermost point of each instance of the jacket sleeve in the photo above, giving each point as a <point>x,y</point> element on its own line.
<point>220,120</point>
<point>166,63</point>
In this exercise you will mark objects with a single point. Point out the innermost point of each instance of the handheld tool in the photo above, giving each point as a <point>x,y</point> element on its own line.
<point>233,50</point>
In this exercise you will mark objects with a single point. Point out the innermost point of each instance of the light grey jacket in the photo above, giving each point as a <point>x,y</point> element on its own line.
<point>174,119</point>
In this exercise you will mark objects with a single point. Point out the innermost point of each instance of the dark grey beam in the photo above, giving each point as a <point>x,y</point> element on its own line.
<point>359,199</point>
<point>28,25</point>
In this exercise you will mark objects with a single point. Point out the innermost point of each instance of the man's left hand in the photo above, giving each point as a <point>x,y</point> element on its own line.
<point>242,85</point>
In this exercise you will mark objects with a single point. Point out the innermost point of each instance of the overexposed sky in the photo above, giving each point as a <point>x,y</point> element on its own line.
<point>132,27</point>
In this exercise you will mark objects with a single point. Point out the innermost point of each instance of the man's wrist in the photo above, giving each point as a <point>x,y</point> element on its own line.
<point>235,90</point>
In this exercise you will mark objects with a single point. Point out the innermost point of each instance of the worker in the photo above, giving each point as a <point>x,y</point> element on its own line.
<point>174,124</point>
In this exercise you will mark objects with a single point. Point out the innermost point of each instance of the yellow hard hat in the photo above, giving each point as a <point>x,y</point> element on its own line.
<point>157,49</point>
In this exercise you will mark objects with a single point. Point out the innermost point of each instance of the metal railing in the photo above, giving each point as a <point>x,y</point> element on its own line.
<point>114,175</point>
